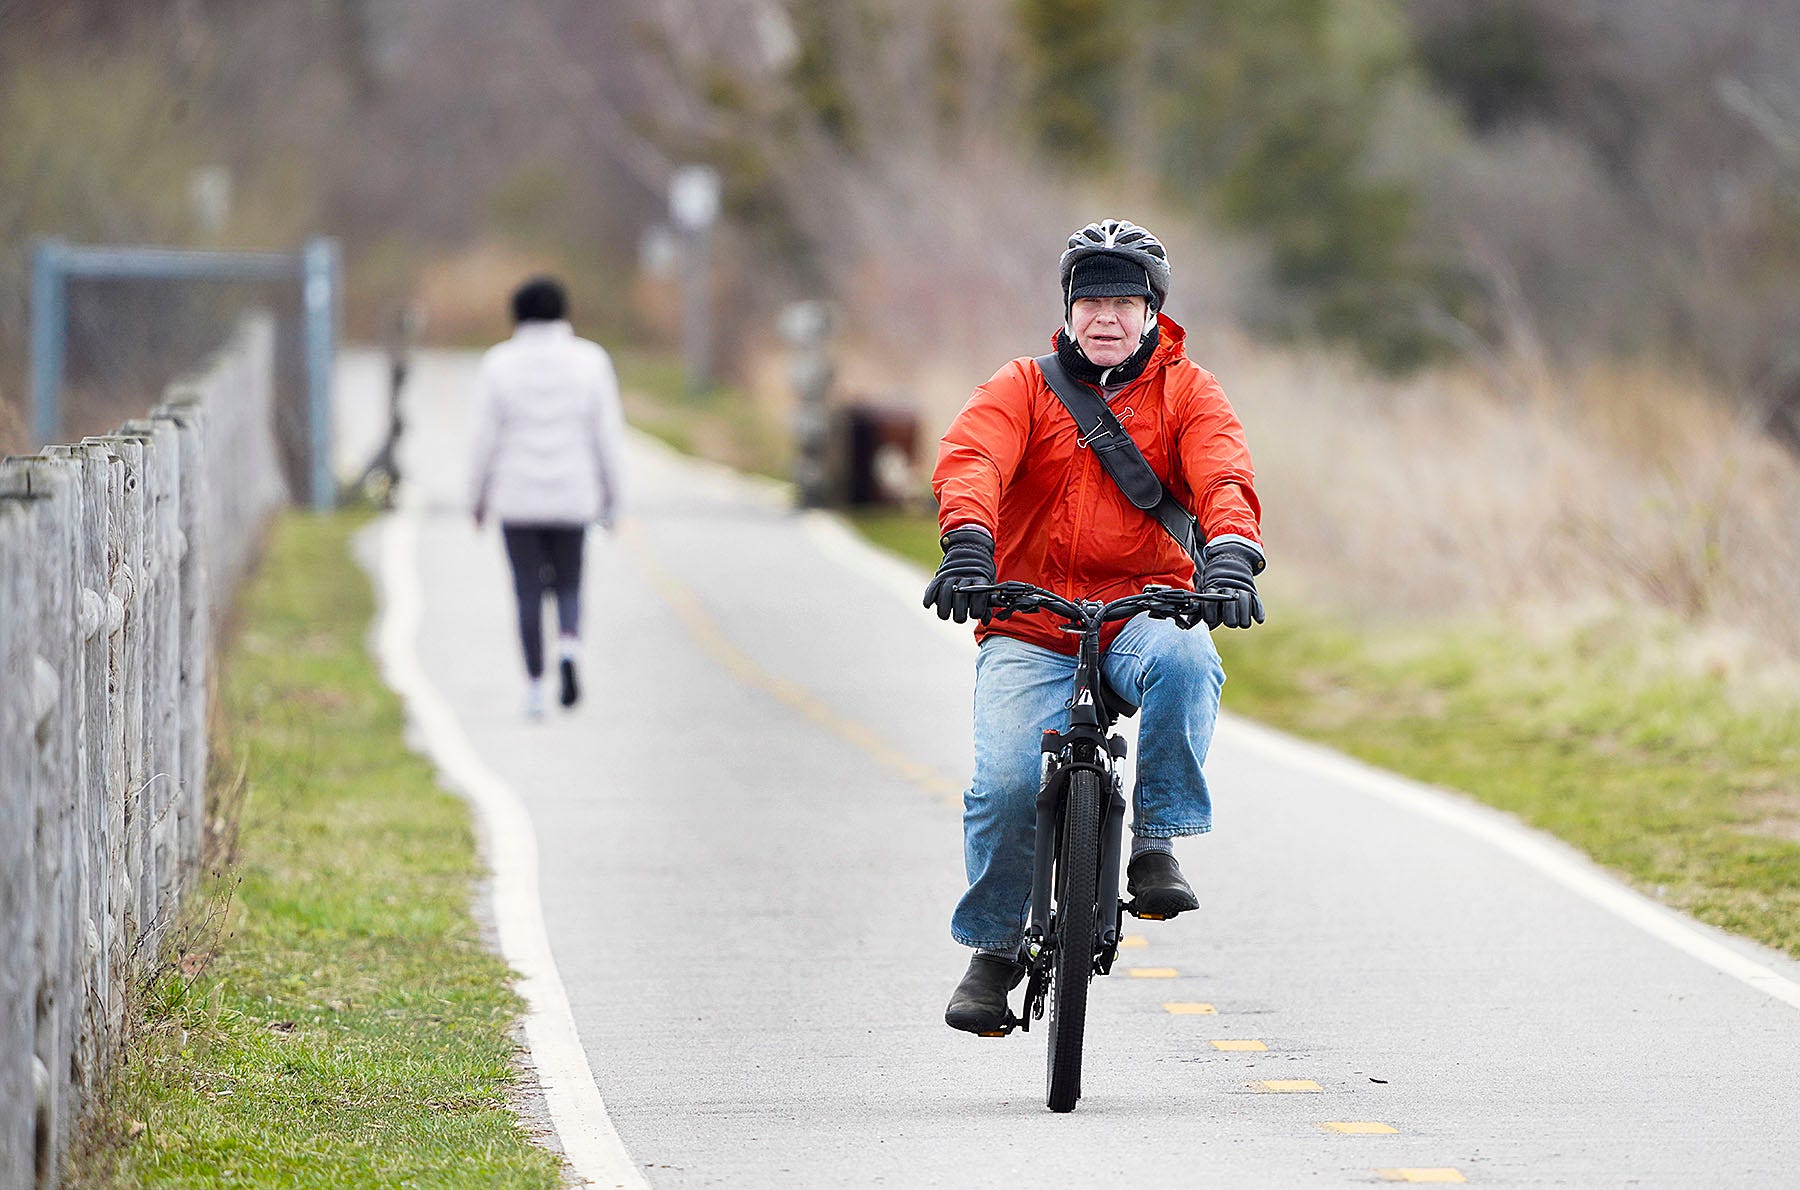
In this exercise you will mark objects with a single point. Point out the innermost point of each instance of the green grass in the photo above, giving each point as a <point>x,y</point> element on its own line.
<point>1686,785</point>
<point>909,534</point>
<point>351,1029</point>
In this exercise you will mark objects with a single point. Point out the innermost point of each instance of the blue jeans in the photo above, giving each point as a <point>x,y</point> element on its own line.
<point>1020,692</point>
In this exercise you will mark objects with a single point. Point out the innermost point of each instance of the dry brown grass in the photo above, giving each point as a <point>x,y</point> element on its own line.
<point>464,296</point>
<point>1560,502</point>
<point>1439,496</point>
<point>14,429</point>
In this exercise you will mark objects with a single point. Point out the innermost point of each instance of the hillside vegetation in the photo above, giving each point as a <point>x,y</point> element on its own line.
<point>1541,179</point>
<point>1527,266</point>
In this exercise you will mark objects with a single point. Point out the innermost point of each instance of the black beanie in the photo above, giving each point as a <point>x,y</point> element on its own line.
<point>1107,276</point>
<point>541,299</point>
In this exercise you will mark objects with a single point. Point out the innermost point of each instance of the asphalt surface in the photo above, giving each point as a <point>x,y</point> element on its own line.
<point>750,846</point>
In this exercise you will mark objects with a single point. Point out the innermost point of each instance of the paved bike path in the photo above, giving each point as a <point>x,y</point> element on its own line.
<point>749,846</point>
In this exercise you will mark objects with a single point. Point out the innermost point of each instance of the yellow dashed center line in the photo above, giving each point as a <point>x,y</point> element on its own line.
<point>1442,1174</point>
<point>713,642</point>
<point>1359,1127</point>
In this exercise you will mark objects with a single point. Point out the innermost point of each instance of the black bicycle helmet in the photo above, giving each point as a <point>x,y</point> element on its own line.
<point>1124,240</point>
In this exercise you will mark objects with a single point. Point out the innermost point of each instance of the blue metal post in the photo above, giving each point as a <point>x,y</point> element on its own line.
<point>49,317</point>
<point>115,261</point>
<point>321,272</point>
<point>319,268</point>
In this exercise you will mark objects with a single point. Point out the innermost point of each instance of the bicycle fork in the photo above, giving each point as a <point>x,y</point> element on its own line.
<point>1112,834</point>
<point>1059,761</point>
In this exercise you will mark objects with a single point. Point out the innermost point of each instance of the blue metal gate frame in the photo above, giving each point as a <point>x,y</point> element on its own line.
<point>317,268</point>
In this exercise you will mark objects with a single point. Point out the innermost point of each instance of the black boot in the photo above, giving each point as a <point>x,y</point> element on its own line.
<point>1156,887</point>
<point>978,1005</point>
<point>571,692</point>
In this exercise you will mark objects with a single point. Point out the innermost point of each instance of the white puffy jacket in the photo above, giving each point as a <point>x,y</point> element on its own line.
<point>548,430</point>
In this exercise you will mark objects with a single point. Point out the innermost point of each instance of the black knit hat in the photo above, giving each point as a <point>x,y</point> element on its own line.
<point>541,299</point>
<point>1108,276</point>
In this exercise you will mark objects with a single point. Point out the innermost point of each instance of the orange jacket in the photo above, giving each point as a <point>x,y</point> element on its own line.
<point>1011,463</point>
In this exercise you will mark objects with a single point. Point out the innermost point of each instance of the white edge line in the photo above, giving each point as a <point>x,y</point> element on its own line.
<point>1549,856</point>
<point>591,1146</point>
<point>837,540</point>
<point>758,489</point>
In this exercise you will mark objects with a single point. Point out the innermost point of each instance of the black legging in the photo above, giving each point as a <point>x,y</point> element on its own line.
<point>545,557</point>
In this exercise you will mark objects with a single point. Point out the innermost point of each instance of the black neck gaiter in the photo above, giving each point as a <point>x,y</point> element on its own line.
<point>1086,371</point>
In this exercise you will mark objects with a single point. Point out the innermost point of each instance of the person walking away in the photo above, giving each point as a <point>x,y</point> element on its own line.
<point>1022,496</point>
<point>548,434</point>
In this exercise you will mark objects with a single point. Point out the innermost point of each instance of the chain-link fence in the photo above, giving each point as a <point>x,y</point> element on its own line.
<point>127,339</point>
<point>111,326</point>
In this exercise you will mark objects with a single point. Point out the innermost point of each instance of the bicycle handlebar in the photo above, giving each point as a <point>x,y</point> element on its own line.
<point>1173,603</point>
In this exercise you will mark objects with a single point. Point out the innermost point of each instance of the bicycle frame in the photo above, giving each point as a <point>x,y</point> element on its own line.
<point>1088,742</point>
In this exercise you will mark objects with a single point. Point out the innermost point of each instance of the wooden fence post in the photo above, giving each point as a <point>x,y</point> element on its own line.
<point>162,671</point>
<point>186,415</point>
<point>129,585</point>
<point>18,873</point>
<point>88,790</point>
<point>115,936</point>
<point>50,485</point>
<point>111,553</point>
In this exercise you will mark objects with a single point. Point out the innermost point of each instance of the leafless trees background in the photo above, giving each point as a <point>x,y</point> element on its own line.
<point>1554,179</point>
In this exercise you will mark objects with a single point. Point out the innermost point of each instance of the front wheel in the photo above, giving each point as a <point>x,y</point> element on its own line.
<point>1077,882</point>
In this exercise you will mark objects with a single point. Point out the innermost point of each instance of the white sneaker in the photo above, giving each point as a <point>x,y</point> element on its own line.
<point>534,699</point>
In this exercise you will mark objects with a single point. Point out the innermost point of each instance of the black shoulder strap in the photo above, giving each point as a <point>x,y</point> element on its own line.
<point>1101,431</point>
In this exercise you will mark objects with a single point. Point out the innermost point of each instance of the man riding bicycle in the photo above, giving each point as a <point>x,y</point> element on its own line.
<point>1022,496</point>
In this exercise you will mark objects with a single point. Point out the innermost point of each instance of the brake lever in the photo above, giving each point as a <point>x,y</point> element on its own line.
<point>1181,606</point>
<point>1021,603</point>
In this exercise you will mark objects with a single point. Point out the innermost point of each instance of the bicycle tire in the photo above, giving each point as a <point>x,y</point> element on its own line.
<point>1078,877</point>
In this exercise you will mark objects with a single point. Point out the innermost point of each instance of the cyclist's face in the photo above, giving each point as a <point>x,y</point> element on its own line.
<point>1108,328</point>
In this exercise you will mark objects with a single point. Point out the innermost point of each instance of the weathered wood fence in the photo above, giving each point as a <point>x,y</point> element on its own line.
<point>118,556</point>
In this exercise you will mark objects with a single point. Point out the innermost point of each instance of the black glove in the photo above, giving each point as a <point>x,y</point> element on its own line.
<point>968,562</point>
<point>1230,567</point>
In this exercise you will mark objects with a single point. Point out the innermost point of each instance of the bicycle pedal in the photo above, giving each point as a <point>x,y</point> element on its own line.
<point>1131,908</point>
